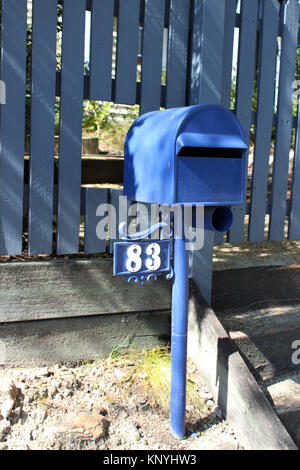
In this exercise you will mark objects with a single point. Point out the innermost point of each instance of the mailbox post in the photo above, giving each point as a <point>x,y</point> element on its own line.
<point>183,156</point>
<point>179,336</point>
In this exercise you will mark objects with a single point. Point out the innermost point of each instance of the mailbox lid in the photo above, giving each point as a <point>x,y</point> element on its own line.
<point>210,127</point>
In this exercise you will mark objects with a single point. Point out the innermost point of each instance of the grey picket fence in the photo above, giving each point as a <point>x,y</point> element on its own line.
<point>199,69</point>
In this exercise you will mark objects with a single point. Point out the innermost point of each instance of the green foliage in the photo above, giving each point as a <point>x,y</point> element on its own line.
<point>105,119</point>
<point>133,113</point>
<point>57,112</point>
<point>58,32</point>
<point>233,91</point>
<point>163,76</point>
<point>96,115</point>
<point>295,103</point>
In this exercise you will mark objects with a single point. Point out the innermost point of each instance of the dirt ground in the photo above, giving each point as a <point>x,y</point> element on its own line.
<point>246,255</point>
<point>89,406</point>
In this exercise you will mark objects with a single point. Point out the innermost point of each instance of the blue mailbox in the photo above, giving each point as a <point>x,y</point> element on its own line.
<point>185,156</point>
<point>190,155</point>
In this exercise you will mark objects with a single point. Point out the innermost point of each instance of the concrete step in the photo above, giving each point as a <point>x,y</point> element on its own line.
<point>283,393</point>
<point>235,391</point>
<point>259,308</point>
<point>266,339</point>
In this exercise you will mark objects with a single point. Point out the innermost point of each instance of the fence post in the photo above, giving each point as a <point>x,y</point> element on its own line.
<point>206,87</point>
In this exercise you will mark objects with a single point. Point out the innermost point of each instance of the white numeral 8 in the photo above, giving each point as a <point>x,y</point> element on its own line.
<point>134,261</point>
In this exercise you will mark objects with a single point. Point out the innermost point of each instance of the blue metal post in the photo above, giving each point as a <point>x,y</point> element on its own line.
<point>179,338</point>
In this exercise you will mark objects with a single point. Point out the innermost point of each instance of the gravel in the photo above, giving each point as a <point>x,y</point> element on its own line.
<point>87,406</point>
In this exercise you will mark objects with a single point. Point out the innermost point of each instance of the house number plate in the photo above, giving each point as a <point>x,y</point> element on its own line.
<point>140,259</point>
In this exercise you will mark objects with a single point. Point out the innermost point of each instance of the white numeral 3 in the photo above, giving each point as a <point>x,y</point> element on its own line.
<point>154,262</point>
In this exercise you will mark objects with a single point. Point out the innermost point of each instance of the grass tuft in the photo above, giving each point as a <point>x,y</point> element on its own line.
<point>152,368</point>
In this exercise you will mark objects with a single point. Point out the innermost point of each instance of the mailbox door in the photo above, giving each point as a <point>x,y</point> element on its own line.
<point>213,181</point>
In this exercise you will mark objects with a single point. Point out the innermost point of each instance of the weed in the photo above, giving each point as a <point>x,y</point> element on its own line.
<point>117,350</point>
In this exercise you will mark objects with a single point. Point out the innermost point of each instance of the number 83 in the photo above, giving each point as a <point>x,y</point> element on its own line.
<point>134,260</point>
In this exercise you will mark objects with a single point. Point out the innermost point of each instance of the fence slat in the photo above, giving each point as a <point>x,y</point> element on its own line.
<point>177,53</point>
<point>207,62</point>
<point>284,121</point>
<point>244,91</point>
<point>208,73</point>
<point>230,15</point>
<point>152,55</point>
<point>127,51</point>
<point>221,60</point>
<point>195,51</point>
<point>13,76</point>
<point>70,126</point>
<point>265,98</point>
<point>42,126</point>
<point>206,87</point>
<point>119,214</point>
<point>101,50</point>
<point>294,225</point>
<point>93,198</point>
